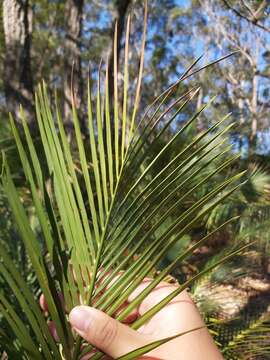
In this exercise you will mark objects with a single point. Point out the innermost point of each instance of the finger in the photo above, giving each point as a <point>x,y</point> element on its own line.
<point>162,290</point>
<point>43,303</point>
<point>53,331</point>
<point>82,273</point>
<point>134,314</point>
<point>139,289</point>
<point>131,317</point>
<point>104,276</point>
<point>103,332</point>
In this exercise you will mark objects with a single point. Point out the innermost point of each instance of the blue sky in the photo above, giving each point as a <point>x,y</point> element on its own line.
<point>182,2</point>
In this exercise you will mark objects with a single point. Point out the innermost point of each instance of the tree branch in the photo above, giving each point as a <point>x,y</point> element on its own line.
<point>252,20</point>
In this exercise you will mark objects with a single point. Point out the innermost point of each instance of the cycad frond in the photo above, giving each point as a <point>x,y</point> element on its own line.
<point>98,218</point>
<point>251,342</point>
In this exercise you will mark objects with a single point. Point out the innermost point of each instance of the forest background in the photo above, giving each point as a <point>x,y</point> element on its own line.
<point>47,39</point>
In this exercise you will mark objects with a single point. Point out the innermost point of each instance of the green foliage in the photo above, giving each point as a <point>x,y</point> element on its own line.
<point>251,204</point>
<point>105,206</point>
<point>251,342</point>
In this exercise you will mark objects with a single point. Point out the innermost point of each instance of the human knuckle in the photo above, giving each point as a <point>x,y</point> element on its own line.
<point>107,333</point>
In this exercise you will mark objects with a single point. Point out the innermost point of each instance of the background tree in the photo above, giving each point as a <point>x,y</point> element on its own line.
<point>243,83</point>
<point>119,19</point>
<point>18,81</point>
<point>72,55</point>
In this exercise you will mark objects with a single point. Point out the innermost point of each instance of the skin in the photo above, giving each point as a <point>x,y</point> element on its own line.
<point>116,339</point>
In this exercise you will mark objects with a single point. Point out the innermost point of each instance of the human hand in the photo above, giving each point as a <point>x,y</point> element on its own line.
<point>180,315</point>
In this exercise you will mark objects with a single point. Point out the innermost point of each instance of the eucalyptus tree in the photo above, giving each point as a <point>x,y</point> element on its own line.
<point>73,77</point>
<point>244,81</point>
<point>17,74</point>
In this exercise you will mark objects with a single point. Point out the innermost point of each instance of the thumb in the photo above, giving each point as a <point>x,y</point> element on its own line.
<point>104,332</point>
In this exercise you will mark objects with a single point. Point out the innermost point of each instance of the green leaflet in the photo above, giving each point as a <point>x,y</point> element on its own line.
<point>134,354</point>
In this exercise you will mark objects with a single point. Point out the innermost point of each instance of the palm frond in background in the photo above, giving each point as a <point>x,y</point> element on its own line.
<point>251,342</point>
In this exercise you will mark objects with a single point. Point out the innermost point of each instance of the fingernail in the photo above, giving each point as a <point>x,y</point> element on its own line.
<point>80,318</point>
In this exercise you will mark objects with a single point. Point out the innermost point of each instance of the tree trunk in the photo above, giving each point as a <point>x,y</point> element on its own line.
<point>253,110</point>
<point>18,82</point>
<point>73,66</point>
<point>121,7</point>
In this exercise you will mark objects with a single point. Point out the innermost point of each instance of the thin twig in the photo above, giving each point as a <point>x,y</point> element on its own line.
<point>252,20</point>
